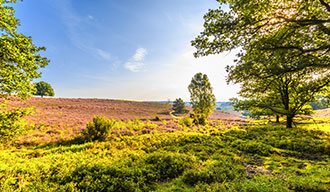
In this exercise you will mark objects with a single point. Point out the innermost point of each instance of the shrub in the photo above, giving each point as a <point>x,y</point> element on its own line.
<point>98,129</point>
<point>306,184</point>
<point>199,118</point>
<point>107,178</point>
<point>252,147</point>
<point>157,118</point>
<point>168,165</point>
<point>12,123</point>
<point>259,183</point>
<point>225,169</point>
<point>179,106</point>
<point>186,121</point>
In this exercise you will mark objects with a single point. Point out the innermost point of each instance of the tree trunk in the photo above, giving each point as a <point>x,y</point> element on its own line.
<point>277,119</point>
<point>289,121</point>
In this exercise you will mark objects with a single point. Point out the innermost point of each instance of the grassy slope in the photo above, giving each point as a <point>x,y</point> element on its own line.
<point>254,158</point>
<point>264,158</point>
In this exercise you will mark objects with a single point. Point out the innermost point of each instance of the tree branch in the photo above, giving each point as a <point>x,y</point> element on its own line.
<point>298,48</point>
<point>327,6</point>
<point>305,22</point>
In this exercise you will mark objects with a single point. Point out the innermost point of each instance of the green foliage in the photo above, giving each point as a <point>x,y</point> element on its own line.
<point>268,25</point>
<point>168,165</point>
<point>184,161</point>
<point>111,178</point>
<point>19,64</point>
<point>201,97</point>
<point>199,118</point>
<point>259,183</point>
<point>186,121</point>
<point>281,69</point>
<point>306,184</point>
<point>12,123</point>
<point>98,129</point>
<point>320,103</point>
<point>254,107</point>
<point>221,170</point>
<point>20,58</point>
<point>252,147</point>
<point>44,89</point>
<point>179,106</point>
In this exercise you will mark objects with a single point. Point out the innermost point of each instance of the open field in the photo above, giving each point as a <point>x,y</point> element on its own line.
<point>170,154</point>
<point>57,120</point>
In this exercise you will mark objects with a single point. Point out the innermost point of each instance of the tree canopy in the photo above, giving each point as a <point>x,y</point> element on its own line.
<point>19,57</point>
<point>300,25</point>
<point>284,58</point>
<point>201,97</point>
<point>44,89</point>
<point>19,64</point>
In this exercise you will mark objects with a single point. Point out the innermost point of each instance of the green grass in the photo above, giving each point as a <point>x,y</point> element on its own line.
<point>254,158</point>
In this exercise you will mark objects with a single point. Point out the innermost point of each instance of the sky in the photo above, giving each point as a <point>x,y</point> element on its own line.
<point>130,50</point>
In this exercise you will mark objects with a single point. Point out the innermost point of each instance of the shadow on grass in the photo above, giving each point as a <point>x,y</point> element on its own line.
<point>67,143</point>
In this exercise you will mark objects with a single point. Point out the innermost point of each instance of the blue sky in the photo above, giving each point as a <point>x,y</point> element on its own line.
<point>129,49</point>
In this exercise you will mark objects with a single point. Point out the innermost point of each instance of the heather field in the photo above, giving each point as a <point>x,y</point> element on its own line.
<point>257,120</point>
<point>56,120</point>
<point>144,148</point>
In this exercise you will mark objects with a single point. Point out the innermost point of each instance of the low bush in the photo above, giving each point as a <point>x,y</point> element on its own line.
<point>220,170</point>
<point>259,183</point>
<point>12,123</point>
<point>252,147</point>
<point>306,184</point>
<point>107,178</point>
<point>168,165</point>
<point>186,121</point>
<point>198,118</point>
<point>98,129</point>
<point>157,119</point>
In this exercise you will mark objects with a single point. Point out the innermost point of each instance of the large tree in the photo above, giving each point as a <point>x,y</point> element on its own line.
<point>19,64</point>
<point>44,89</point>
<point>201,97</point>
<point>284,47</point>
<point>19,57</point>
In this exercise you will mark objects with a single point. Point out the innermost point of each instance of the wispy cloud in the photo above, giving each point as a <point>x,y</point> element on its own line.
<point>135,64</point>
<point>103,54</point>
<point>140,54</point>
<point>90,17</point>
<point>75,26</point>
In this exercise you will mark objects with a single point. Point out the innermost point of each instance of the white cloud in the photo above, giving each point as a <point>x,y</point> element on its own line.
<point>140,54</point>
<point>171,80</point>
<point>91,17</point>
<point>135,64</point>
<point>103,54</point>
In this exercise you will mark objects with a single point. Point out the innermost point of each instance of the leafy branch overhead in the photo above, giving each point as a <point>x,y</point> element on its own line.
<point>19,57</point>
<point>284,60</point>
<point>19,64</point>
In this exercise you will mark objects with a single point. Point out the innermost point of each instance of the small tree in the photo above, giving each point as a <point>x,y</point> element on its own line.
<point>44,89</point>
<point>179,106</point>
<point>201,97</point>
